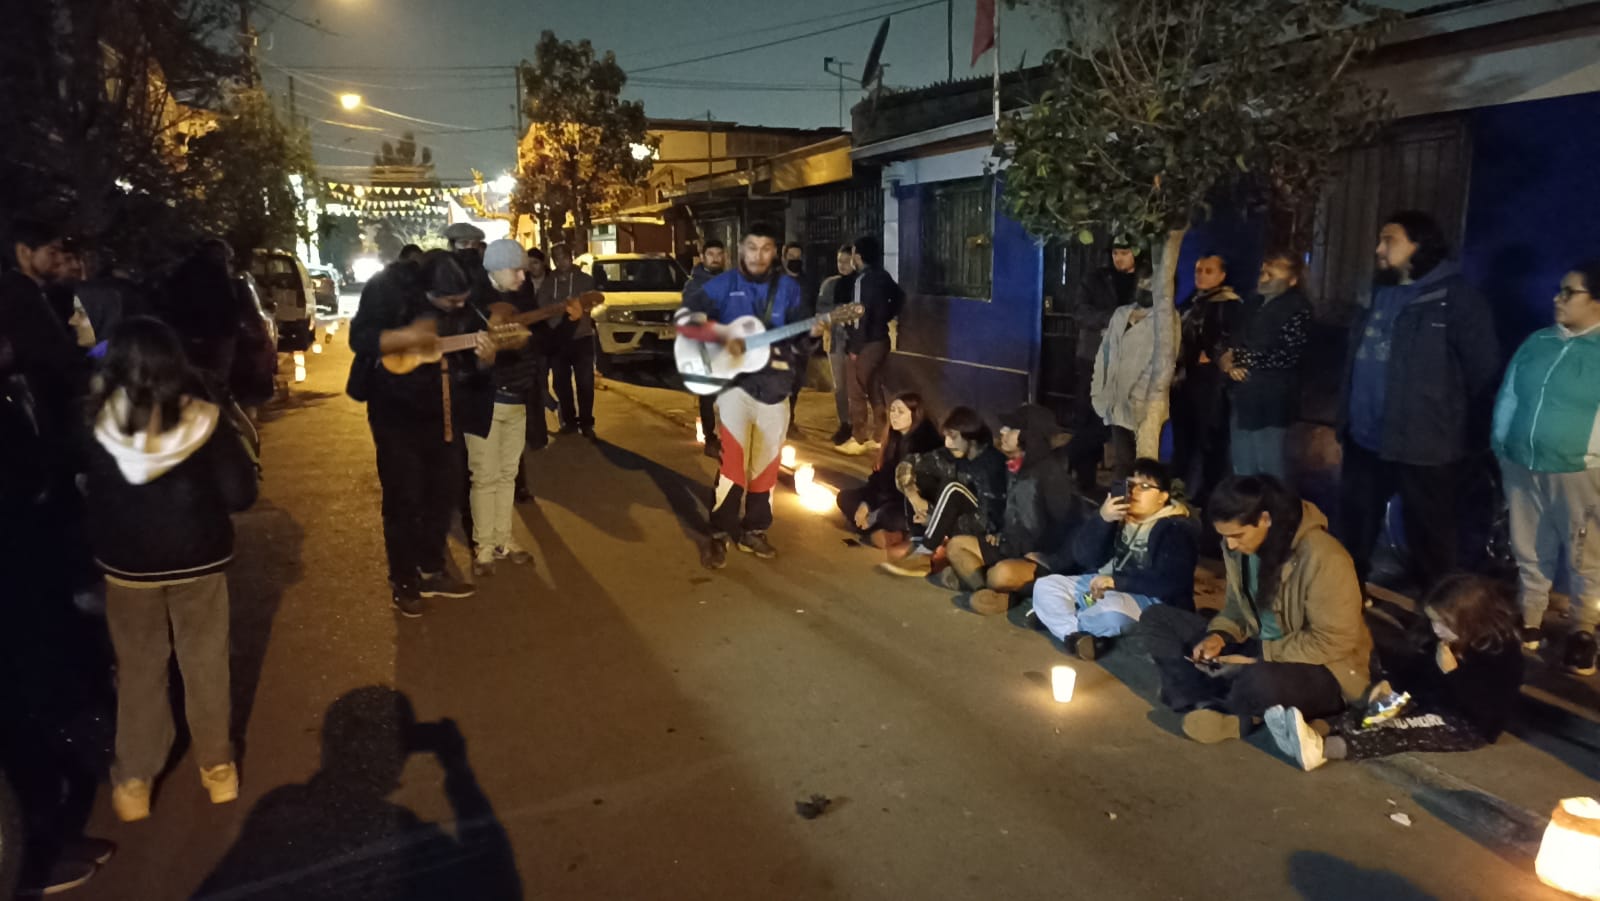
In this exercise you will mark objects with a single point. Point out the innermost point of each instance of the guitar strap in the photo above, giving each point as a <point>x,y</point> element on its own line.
<point>444,381</point>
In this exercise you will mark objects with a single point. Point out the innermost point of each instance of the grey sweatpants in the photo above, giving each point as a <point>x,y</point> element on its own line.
<point>147,626</point>
<point>1555,514</point>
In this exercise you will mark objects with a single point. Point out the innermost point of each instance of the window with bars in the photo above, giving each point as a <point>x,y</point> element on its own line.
<point>957,252</point>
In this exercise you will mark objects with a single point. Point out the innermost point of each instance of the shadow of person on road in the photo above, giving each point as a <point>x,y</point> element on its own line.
<point>268,542</point>
<point>1323,877</point>
<point>337,837</point>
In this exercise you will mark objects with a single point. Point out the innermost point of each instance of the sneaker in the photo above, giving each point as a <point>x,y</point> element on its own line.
<point>409,604</point>
<point>989,602</point>
<point>483,562</point>
<point>65,875</point>
<point>1030,620</point>
<point>913,566</point>
<point>841,436</point>
<point>131,800</point>
<point>851,448</point>
<point>513,553</point>
<point>567,428</point>
<point>753,541</point>
<point>587,432</point>
<point>1083,645</point>
<point>97,851</point>
<point>444,585</point>
<point>221,782</point>
<point>715,553</point>
<point>1579,657</point>
<point>1209,727</point>
<point>946,579</point>
<point>871,445</point>
<point>1294,737</point>
<point>1532,637</point>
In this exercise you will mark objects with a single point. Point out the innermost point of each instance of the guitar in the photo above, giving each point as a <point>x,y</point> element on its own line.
<point>708,367</point>
<point>508,329</point>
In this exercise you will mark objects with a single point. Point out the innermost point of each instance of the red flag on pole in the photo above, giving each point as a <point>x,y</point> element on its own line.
<point>983,30</point>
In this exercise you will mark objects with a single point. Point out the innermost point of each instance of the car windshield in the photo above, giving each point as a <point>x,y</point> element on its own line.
<point>637,275</point>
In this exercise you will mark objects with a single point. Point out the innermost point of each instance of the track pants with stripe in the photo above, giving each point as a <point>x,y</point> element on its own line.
<point>752,436</point>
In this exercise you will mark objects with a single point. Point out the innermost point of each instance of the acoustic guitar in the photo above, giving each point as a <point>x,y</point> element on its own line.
<point>508,330</point>
<point>708,367</point>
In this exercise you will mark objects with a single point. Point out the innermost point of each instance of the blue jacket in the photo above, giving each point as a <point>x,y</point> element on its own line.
<point>1547,417</point>
<point>1161,568</point>
<point>730,296</point>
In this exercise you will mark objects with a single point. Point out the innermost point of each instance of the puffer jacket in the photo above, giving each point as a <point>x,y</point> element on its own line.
<point>983,475</point>
<point>1134,367</point>
<point>1318,604</point>
<point>1547,417</point>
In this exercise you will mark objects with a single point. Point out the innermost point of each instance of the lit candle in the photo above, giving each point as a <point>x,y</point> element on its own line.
<point>1062,681</point>
<point>1569,855</point>
<point>804,478</point>
<point>786,456</point>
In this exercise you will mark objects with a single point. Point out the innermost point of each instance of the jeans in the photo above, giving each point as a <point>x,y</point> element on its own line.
<point>1245,691</point>
<point>839,362</point>
<point>420,474</point>
<point>1555,514</point>
<point>1058,603</point>
<point>752,436</point>
<point>1428,507</point>
<point>865,375</point>
<point>573,363</point>
<point>493,461</point>
<point>1260,452</point>
<point>196,613</point>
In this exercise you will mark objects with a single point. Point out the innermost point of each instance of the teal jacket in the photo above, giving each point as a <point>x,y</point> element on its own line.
<point>1547,417</point>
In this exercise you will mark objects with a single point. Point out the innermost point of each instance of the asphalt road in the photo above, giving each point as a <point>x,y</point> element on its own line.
<point>635,727</point>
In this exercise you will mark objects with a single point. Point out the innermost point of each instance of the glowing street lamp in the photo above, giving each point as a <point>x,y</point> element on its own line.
<point>350,101</point>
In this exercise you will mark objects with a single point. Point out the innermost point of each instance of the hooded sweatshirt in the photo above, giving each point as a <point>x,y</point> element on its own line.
<point>1154,558</point>
<point>159,498</point>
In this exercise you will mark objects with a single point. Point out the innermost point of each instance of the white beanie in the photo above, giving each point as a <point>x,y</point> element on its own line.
<point>504,254</point>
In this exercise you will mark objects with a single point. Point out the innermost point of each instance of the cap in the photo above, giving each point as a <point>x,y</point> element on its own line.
<point>504,254</point>
<point>463,231</point>
<point>1031,419</point>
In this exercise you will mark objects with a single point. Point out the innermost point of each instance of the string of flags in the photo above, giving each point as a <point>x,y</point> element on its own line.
<point>350,198</point>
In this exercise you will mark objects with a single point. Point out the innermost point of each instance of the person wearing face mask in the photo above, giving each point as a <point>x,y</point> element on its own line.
<point>1132,377</point>
<point>1140,551</point>
<point>1464,680</point>
<point>837,337</point>
<point>1291,632</point>
<point>713,262</point>
<point>1200,388</point>
<point>867,348</point>
<point>1263,360</point>
<point>1104,291</point>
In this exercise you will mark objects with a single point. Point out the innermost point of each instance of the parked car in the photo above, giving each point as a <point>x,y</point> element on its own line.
<point>290,295</point>
<point>642,291</point>
<point>325,282</point>
<point>255,359</point>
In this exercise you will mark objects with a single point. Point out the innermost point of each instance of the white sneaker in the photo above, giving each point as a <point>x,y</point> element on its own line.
<point>131,800</point>
<point>852,448</point>
<point>483,562</point>
<point>221,782</point>
<point>1294,737</point>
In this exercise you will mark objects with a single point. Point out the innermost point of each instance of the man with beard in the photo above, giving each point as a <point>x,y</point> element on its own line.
<point>752,410</point>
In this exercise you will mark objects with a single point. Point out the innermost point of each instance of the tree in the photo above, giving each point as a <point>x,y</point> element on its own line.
<point>241,174</point>
<point>581,157</point>
<point>403,164</point>
<point>1156,109</point>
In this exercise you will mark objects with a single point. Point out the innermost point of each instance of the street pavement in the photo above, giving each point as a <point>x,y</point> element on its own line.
<point>633,726</point>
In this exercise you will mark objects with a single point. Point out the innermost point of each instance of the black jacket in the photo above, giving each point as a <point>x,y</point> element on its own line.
<point>43,353</point>
<point>1442,374</point>
<point>880,488</point>
<point>1268,340</point>
<point>1104,290</point>
<point>1165,570</point>
<point>1484,688</point>
<point>983,475</point>
<point>881,301</point>
<point>1043,508</point>
<point>1207,327</point>
<point>164,524</point>
<point>393,299</point>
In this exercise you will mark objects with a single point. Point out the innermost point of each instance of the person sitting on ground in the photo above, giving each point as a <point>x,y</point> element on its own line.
<point>1290,633</point>
<point>967,479</point>
<point>165,470</point>
<point>1140,551</point>
<point>1463,682</point>
<point>1041,511</point>
<point>876,508</point>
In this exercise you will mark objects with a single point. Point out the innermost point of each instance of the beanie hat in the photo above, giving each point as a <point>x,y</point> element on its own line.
<point>504,254</point>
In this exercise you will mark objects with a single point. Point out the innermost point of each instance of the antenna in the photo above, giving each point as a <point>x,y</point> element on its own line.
<point>872,72</point>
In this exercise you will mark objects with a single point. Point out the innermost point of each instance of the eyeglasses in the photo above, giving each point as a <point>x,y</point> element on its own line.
<point>1143,486</point>
<point>1569,293</point>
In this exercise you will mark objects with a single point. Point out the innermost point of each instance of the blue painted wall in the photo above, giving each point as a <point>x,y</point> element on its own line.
<point>1236,236</point>
<point>1534,205</point>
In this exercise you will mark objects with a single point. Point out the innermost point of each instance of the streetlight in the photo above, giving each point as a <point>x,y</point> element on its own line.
<point>350,101</point>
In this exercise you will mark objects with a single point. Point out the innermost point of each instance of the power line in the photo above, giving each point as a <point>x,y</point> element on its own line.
<point>774,43</point>
<point>285,14</point>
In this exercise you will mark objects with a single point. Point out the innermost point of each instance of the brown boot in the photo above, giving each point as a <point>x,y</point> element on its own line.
<point>989,602</point>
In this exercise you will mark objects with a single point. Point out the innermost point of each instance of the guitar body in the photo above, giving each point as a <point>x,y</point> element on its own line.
<point>708,368</point>
<point>408,361</point>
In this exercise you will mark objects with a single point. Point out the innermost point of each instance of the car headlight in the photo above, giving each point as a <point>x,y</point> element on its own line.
<point>619,314</point>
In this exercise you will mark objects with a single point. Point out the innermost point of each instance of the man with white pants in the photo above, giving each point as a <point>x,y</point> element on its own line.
<point>1140,551</point>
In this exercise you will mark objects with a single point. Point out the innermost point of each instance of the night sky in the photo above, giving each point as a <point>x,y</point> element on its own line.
<point>392,40</point>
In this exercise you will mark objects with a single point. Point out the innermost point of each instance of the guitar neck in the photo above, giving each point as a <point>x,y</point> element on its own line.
<point>458,342</point>
<point>781,333</point>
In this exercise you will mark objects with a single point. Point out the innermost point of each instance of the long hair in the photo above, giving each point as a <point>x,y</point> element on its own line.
<point>890,447</point>
<point>1423,230</point>
<point>1242,500</point>
<point>1480,611</point>
<point>145,359</point>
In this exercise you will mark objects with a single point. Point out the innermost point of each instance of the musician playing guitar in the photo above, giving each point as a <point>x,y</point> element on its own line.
<point>752,412</point>
<point>414,417</point>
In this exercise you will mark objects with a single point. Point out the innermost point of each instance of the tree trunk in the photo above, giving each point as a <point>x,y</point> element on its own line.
<point>1164,285</point>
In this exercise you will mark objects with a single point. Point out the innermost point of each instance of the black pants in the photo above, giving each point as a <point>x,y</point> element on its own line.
<point>956,502</point>
<point>708,416</point>
<point>421,478</point>
<point>1418,728</point>
<point>573,364</point>
<point>1124,450</point>
<point>1428,508</point>
<point>1170,634</point>
<point>1200,433</point>
<point>538,398</point>
<point>1088,445</point>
